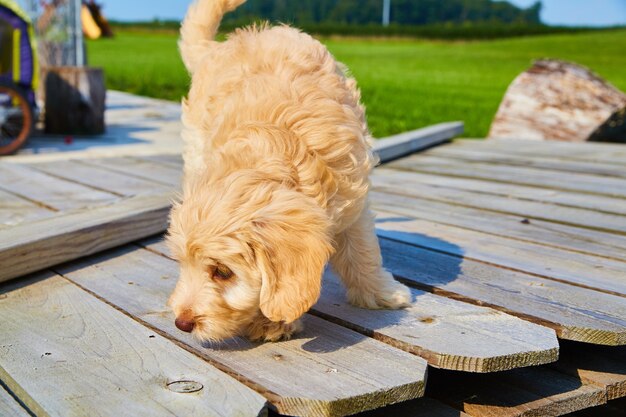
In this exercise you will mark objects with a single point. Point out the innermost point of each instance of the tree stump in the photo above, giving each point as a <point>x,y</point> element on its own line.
<point>556,100</point>
<point>75,100</point>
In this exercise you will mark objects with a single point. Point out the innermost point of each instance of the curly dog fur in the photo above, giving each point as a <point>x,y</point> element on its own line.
<point>277,158</point>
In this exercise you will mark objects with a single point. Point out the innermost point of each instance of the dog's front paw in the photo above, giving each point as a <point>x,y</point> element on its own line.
<point>390,295</point>
<point>264,330</point>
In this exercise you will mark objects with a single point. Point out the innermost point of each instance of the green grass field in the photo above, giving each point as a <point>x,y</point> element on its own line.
<point>406,84</point>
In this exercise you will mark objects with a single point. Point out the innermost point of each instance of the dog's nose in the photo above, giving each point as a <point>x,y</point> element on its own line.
<point>184,324</point>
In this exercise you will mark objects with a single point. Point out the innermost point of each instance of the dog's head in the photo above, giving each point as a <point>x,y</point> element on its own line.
<point>246,244</point>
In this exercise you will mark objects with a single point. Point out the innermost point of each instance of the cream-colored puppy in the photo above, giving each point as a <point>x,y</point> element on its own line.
<point>277,159</point>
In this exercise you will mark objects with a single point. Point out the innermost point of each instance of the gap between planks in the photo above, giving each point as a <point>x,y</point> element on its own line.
<point>529,392</point>
<point>575,313</point>
<point>449,334</point>
<point>586,271</point>
<point>556,180</point>
<point>605,153</point>
<point>483,188</point>
<point>574,239</point>
<point>50,192</point>
<point>37,245</point>
<point>67,353</point>
<point>326,355</point>
<point>469,152</point>
<point>585,376</point>
<point>412,184</point>
<point>9,406</point>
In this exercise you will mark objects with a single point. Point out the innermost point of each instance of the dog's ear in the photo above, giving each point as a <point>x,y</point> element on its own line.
<point>292,245</point>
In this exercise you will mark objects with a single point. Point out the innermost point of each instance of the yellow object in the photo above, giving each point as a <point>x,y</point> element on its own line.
<point>90,27</point>
<point>13,6</point>
<point>17,37</point>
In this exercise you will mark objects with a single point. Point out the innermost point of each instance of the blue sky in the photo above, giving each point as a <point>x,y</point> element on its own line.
<point>564,12</point>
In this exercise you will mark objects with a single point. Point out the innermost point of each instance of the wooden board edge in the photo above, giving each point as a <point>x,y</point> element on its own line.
<point>349,406</point>
<point>448,362</point>
<point>573,333</point>
<point>394,147</point>
<point>10,405</point>
<point>29,402</point>
<point>132,219</point>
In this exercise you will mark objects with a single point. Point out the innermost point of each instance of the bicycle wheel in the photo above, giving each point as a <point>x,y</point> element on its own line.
<point>16,119</point>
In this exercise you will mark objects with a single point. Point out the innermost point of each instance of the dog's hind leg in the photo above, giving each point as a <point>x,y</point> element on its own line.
<point>359,264</point>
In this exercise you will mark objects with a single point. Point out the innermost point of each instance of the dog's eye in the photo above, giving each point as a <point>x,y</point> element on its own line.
<point>222,272</point>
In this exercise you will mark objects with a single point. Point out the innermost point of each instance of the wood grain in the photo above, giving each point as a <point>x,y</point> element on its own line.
<point>175,161</point>
<point>562,101</point>
<point>556,235</point>
<point>465,151</point>
<point>602,366</point>
<point>64,353</point>
<point>610,409</point>
<point>9,407</point>
<point>50,192</point>
<point>449,334</point>
<point>101,178</point>
<point>553,179</point>
<point>406,183</point>
<point>594,152</point>
<point>318,373</point>
<point>587,271</point>
<point>36,245</point>
<point>422,407</point>
<point>141,168</point>
<point>15,210</point>
<point>397,146</point>
<point>575,313</point>
<point>522,193</point>
<point>529,392</point>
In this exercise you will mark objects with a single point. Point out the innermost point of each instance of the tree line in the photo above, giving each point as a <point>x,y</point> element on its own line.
<point>403,12</point>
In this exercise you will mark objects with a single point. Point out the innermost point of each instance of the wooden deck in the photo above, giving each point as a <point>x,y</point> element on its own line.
<point>507,246</point>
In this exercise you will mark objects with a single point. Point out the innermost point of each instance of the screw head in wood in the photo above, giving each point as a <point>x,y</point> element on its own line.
<point>184,387</point>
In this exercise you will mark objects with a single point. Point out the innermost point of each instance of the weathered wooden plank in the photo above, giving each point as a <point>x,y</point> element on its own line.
<point>575,313</point>
<point>594,152</point>
<point>50,192</point>
<point>408,184</point>
<point>579,182</point>
<point>318,373</point>
<point>511,191</point>
<point>530,392</point>
<point>141,168</point>
<point>64,352</point>
<point>36,245</point>
<point>175,160</point>
<point>537,231</point>
<point>447,333</point>
<point>467,152</point>
<point>602,366</point>
<point>613,408</point>
<point>15,210</point>
<point>9,407</point>
<point>394,147</point>
<point>589,271</point>
<point>422,407</point>
<point>101,178</point>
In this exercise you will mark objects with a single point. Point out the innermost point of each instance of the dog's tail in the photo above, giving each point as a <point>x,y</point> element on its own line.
<point>200,26</point>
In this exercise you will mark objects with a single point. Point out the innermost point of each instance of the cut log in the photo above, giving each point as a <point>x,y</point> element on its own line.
<point>556,100</point>
<point>75,100</point>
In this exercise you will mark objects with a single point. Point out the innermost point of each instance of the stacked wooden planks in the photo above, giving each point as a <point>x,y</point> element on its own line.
<point>500,262</point>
